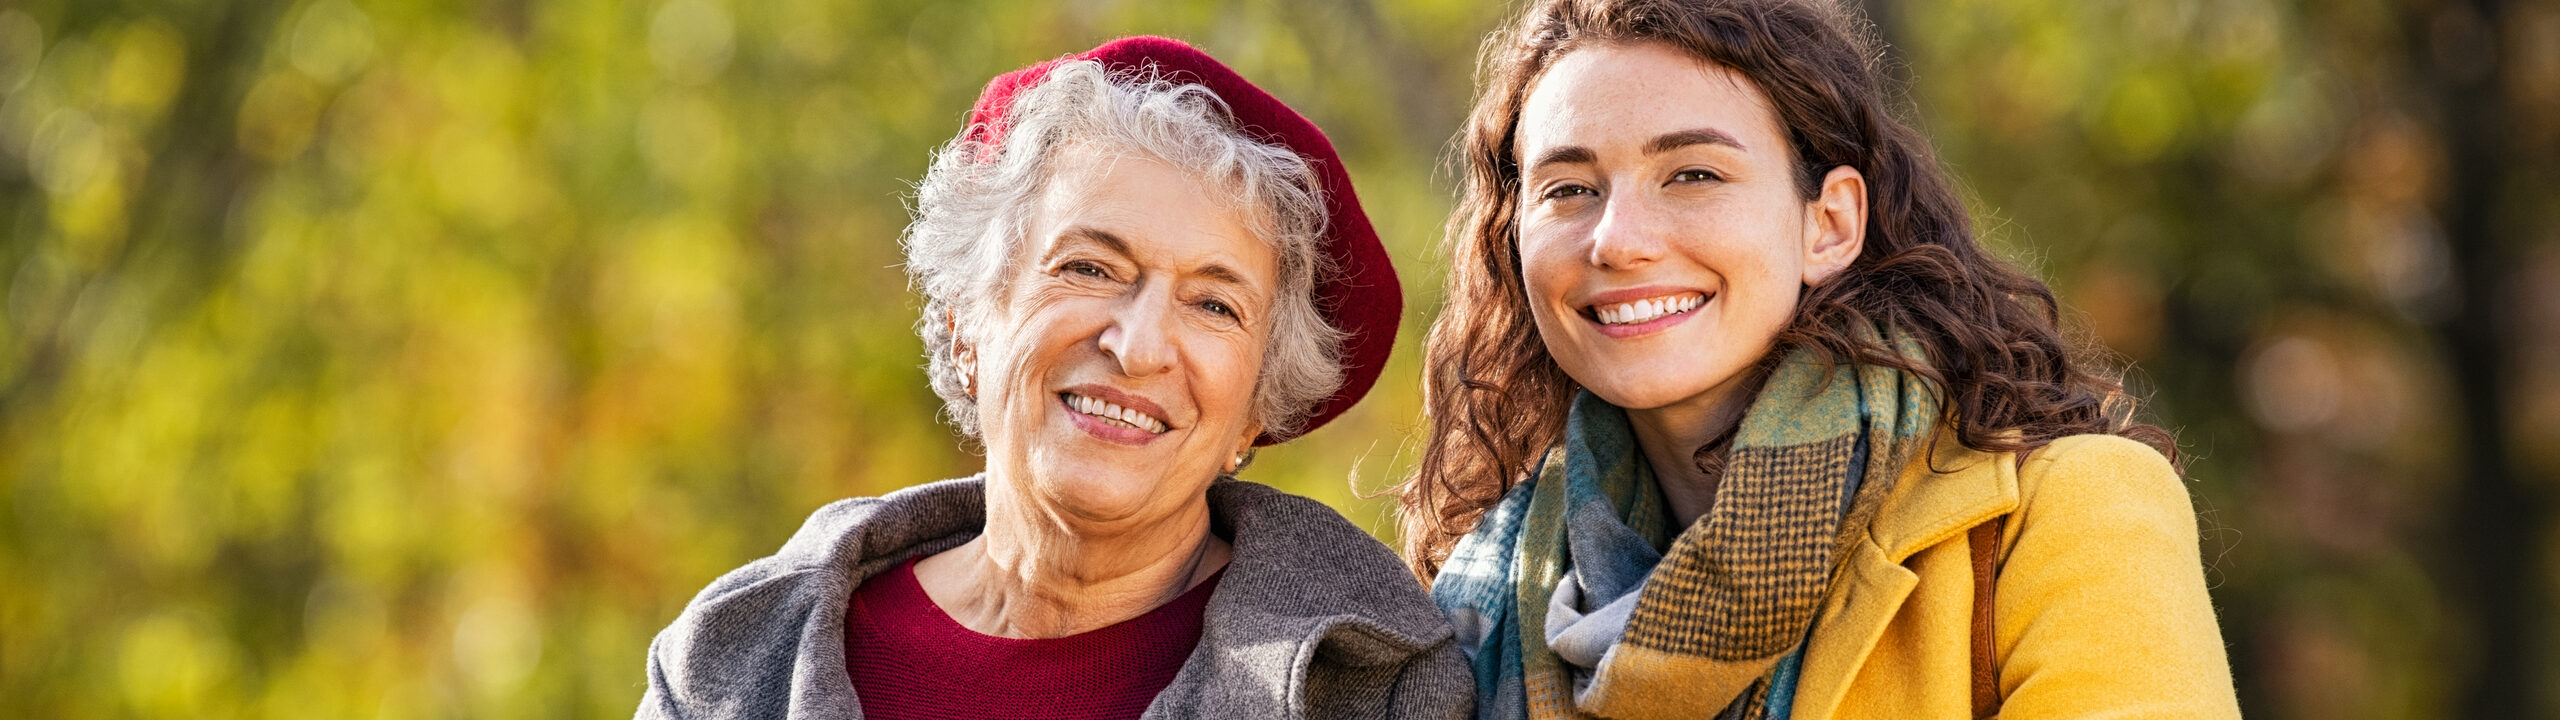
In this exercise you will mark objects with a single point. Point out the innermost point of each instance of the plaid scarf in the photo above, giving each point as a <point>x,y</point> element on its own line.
<point>1569,604</point>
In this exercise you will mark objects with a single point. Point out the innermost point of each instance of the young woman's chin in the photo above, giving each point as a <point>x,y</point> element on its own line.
<point>1655,388</point>
<point>1684,371</point>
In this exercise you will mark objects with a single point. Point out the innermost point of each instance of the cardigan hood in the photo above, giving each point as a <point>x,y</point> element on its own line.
<point>1313,619</point>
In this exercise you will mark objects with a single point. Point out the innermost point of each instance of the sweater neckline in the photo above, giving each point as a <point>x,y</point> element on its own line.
<point>1186,609</point>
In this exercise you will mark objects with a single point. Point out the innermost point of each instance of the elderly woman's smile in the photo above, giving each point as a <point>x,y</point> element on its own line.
<point>1113,420</point>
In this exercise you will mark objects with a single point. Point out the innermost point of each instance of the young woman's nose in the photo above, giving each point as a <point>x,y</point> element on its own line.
<point>1140,336</point>
<point>1628,234</point>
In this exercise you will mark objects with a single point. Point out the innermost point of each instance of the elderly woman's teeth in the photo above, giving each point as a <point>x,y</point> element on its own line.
<point>1648,310</point>
<point>1114,413</point>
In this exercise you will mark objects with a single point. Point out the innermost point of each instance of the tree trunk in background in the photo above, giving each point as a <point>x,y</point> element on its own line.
<point>2497,519</point>
<point>2495,571</point>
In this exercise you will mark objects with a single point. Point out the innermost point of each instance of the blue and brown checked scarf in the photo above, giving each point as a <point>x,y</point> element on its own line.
<point>1569,605</point>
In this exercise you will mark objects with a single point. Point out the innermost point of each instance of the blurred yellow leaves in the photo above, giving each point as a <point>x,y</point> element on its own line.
<point>143,72</point>
<point>175,663</point>
<point>67,152</point>
<point>2143,114</point>
<point>690,40</point>
<point>278,116</point>
<point>21,47</point>
<point>331,40</point>
<point>687,141</point>
<point>477,176</point>
<point>497,640</point>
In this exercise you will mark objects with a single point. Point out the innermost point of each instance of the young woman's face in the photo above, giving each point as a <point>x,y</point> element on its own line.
<point>1663,242</point>
<point>1118,378</point>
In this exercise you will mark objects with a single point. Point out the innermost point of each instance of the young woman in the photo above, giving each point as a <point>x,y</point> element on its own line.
<point>1731,414</point>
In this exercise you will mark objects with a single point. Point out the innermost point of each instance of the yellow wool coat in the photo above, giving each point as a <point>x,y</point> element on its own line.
<point>2100,603</point>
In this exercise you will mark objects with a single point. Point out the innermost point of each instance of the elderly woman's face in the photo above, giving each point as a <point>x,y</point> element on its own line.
<point>1116,377</point>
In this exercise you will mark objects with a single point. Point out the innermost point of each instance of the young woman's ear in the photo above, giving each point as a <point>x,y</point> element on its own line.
<point>1835,227</point>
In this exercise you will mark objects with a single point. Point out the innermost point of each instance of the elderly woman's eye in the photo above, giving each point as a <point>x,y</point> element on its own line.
<point>1218,307</point>
<point>1084,269</point>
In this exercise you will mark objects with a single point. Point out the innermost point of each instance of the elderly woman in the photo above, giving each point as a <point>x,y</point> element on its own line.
<point>1137,267</point>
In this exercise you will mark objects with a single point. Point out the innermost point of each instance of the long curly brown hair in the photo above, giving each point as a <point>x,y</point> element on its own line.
<point>1991,333</point>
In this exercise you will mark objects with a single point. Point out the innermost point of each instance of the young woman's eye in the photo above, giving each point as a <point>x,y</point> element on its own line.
<point>1693,176</point>
<point>1568,190</point>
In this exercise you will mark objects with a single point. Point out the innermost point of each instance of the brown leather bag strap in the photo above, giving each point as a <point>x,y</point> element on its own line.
<point>1986,562</point>
<point>1985,543</point>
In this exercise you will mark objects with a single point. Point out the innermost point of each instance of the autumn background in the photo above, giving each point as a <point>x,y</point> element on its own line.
<point>420,359</point>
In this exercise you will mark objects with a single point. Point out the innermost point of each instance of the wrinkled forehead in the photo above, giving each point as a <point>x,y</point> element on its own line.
<point>1087,159</point>
<point>1151,211</point>
<point>1095,177</point>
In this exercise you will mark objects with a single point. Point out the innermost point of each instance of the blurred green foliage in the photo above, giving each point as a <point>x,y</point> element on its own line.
<point>421,359</point>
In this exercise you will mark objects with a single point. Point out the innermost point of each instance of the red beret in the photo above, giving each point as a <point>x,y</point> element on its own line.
<point>1361,297</point>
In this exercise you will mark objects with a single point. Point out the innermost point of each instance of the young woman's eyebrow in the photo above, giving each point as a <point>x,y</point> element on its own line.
<point>1666,142</point>
<point>1567,155</point>
<point>1670,141</point>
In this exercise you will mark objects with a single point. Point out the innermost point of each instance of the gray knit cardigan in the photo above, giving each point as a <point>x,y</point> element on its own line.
<point>1314,618</point>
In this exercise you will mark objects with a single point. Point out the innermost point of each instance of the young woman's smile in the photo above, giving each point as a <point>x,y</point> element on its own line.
<point>1639,311</point>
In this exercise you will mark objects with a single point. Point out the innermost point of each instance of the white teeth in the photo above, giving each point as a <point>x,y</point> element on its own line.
<point>1647,310</point>
<point>1114,413</point>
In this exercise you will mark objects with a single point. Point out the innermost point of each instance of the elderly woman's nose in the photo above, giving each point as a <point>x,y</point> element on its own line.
<point>1140,334</point>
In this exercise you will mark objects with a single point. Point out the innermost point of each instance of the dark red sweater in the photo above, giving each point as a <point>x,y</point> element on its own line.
<point>909,659</point>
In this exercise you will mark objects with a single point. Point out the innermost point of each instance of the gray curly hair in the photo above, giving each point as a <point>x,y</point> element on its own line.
<point>975,205</point>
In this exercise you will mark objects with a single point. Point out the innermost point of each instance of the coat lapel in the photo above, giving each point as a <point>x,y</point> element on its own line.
<point>1312,613</point>
<point>1927,507</point>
